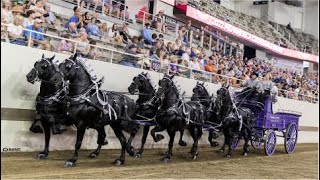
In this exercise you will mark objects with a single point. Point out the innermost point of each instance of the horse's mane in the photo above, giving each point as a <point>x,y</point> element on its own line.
<point>148,77</point>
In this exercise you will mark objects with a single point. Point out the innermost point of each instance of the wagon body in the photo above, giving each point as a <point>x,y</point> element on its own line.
<point>266,123</point>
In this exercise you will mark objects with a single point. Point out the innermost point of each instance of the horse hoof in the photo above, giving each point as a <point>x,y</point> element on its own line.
<point>93,155</point>
<point>70,163</point>
<point>182,143</point>
<point>119,162</point>
<point>159,137</point>
<point>245,154</point>
<point>105,143</point>
<point>36,129</point>
<point>42,156</point>
<point>130,151</point>
<point>138,155</point>
<point>166,160</point>
<point>215,144</point>
<point>228,156</point>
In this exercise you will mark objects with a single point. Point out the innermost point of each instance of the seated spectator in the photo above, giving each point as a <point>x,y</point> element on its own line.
<point>4,31</point>
<point>153,49</point>
<point>83,46</point>
<point>6,11</point>
<point>158,56</point>
<point>93,52</point>
<point>154,37</point>
<point>16,33</point>
<point>182,49</point>
<point>86,19</point>
<point>194,64</point>
<point>140,43</point>
<point>133,40</point>
<point>76,18</point>
<point>158,22</point>
<point>16,11</point>
<point>49,16</point>
<point>124,32</point>
<point>116,9</point>
<point>93,29</point>
<point>29,19</point>
<point>104,30</point>
<point>66,46</point>
<point>114,33</point>
<point>20,5</point>
<point>38,9</point>
<point>72,30</point>
<point>210,67</point>
<point>143,16</point>
<point>37,40</point>
<point>147,35</point>
<point>129,60</point>
<point>107,7</point>
<point>173,68</point>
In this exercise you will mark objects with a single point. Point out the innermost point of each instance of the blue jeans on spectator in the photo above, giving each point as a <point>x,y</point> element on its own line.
<point>127,63</point>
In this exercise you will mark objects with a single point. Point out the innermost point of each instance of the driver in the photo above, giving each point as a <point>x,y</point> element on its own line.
<point>254,84</point>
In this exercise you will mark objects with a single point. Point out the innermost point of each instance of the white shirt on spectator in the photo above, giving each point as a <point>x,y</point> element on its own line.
<point>194,65</point>
<point>113,34</point>
<point>15,30</point>
<point>27,23</point>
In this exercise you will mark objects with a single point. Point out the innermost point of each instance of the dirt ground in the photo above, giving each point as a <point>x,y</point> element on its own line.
<point>302,164</point>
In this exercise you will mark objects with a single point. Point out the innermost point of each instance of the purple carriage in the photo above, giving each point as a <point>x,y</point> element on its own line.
<point>266,123</point>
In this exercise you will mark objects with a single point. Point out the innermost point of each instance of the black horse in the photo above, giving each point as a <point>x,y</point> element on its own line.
<point>175,115</point>
<point>50,100</point>
<point>237,121</point>
<point>212,121</point>
<point>90,107</point>
<point>148,105</point>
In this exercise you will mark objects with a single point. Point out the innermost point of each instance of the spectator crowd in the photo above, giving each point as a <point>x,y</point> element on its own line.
<point>174,57</point>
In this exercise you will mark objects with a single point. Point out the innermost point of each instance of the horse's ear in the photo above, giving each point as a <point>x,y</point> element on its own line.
<point>52,58</point>
<point>203,84</point>
<point>42,56</point>
<point>172,76</point>
<point>197,82</point>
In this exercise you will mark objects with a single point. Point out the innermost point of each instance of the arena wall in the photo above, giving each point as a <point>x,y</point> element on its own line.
<point>18,97</point>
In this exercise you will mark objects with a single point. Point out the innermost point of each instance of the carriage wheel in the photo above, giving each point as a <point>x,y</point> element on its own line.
<point>291,138</point>
<point>255,142</point>
<point>270,143</point>
<point>235,143</point>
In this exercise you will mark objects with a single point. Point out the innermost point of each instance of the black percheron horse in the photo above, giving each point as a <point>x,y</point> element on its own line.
<point>50,100</point>
<point>212,121</point>
<point>175,115</point>
<point>90,107</point>
<point>237,122</point>
<point>148,105</point>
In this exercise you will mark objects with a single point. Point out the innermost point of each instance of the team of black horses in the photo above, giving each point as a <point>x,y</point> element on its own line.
<point>69,97</point>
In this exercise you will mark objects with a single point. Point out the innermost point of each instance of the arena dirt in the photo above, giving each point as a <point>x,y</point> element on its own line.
<point>302,164</point>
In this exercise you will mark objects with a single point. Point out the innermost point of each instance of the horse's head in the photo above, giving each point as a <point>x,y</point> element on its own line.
<point>199,92</point>
<point>137,82</point>
<point>43,70</point>
<point>223,98</point>
<point>69,68</point>
<point>164,84</point>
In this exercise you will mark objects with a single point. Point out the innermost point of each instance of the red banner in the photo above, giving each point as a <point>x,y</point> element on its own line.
<point>230,29</point>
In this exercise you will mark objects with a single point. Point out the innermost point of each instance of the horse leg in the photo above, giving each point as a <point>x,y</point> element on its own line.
<point>229,138</point>
<point>101,141</point>
<point>222,149</point>
<point>123,142</point>
<point>80,133</point>
<point>181,142</point>
<point>129,148</point>
<point>46,128</point>
<point>143,140</point>
<point>157,137</point>
<point>211,138</point>
<point>194,134</point>
<point>246,136</point>
<point>34,127</point>
<point>168,156</point>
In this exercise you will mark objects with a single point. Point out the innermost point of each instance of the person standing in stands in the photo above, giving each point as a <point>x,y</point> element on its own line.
<point>76,18</point>
<point>37,40</point>
<point>147,34</point>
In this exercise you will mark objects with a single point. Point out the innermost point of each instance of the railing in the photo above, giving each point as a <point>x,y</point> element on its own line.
<point>156,65</point>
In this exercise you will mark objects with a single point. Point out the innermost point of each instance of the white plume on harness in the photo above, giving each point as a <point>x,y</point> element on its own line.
<point>104,102</point>
<point>236,109</point>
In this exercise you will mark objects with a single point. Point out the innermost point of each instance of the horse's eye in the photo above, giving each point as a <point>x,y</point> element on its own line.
<point>44,66</point>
